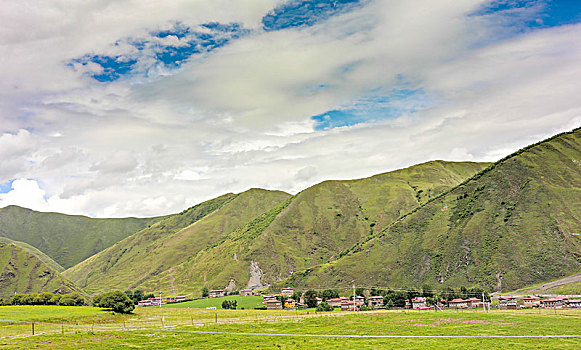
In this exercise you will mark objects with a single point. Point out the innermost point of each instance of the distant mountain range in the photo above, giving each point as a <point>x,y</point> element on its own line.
<point>501,226</point>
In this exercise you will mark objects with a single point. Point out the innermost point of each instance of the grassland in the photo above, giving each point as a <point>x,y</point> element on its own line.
<point>166,328</point>
<point>242,302</point>
<point>507,227</point>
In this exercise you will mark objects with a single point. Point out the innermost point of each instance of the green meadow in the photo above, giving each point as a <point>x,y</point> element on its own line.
<point>175,328</point>
<point>246,302</point>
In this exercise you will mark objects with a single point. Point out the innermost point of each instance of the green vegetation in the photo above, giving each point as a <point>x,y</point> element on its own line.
<point>116,301</point>
<point>506,227</point>
<point>68,239</point>
<point>138,260</point>
<point>23,272</point>
<point>305,230</point>
<point>155,328</point>
<point>32,250</point>
<point>246,302</point>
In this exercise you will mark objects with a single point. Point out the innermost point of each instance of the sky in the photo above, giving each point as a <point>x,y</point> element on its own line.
<point>113,108</point>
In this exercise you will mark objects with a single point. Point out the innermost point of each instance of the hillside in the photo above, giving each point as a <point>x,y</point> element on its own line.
<point>40,255</point>
<point>514,224</point>
<point>315,226</point>
<point>23,272</point>
<point>134,261</point>
<point>68,239</point>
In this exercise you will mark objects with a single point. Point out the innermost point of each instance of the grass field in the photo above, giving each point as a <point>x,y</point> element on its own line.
<point>246,302</point>
<point>167,328</point>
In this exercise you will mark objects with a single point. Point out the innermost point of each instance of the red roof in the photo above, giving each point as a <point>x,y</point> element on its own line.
<point>472,299</point>
<point>457,300</point>
<point>574,301</point>
<point>419,300</point>
<point>273,301</point>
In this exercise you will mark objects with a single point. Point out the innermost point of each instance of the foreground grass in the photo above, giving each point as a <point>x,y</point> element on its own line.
<point>246,302</point>
<point>155,328</point>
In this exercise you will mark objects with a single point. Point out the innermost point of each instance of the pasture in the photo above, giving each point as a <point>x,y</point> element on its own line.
<point>171,328</point>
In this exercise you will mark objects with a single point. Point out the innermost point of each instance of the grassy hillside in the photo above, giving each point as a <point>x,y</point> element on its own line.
<point>68,239</point>
<point>23,272</point>
<point>137,259</point>
<point>316,226</point>
<point>40,255</point>
<point>511,225</point>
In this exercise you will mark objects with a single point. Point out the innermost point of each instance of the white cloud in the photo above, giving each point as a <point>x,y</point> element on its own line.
<point>239,117</point>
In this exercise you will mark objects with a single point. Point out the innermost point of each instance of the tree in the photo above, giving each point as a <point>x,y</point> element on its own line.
<point>360,291</point>
<point>73,299</point>
<point>329,294</point>
<point>116,301</point>
<point>229,304</point>
<point>43,298</point>
<point>205,292</point>
<point>311,298</point>
<point>324,307</point>
<point>55,300</point>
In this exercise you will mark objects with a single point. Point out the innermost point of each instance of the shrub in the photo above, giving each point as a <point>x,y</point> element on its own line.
<point>229,304</point>
<point>324,307</point>
<point>43,298</point>
<point>73,299</point>
<point>116,301</point>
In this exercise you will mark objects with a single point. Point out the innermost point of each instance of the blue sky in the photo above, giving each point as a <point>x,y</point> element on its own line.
<point>118,108</point>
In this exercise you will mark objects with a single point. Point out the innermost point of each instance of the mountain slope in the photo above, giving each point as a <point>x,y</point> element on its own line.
<point>40,255</point>
<point>68,239</point>
<point>511,225</point>
<point>315,226</point>
<point>23,272</point>
<point>132,262</point>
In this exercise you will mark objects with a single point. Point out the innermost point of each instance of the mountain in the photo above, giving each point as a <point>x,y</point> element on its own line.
<point>317,225</point>
<point>32,250</point>
<point>515,223</point>
<point>134,261</point>
<point>24,272</point>
<point>68,239</point>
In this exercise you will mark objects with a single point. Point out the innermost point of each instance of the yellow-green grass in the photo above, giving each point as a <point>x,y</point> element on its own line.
<point>246,302</point>
<point>165,335</point>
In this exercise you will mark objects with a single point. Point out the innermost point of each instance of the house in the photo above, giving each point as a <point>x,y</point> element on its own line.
<point>531,301</point>
<point>573,303</point>
<point>216,293</point>
<point>335,302</point>
<point>458,303</point>
<point>287,292</point>
<point>266,298</point>
<point>246,292</point>
<point>418,302</point>
<point>473,302</point>
<point>375,301</point>
<point>289,304</point>
<point>144,303</point>
<point>349,306</point>
<point>555,303</point>
<point>507,302</point>
<point>359,300</point>
<point>273,304</point>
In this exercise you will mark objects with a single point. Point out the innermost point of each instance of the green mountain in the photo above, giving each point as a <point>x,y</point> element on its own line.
<point>40,255</point>
<point>316,226</point>
<point>24,272</point>
<point>515,223</point>
<point>68,239</point>
<point>136,260</point>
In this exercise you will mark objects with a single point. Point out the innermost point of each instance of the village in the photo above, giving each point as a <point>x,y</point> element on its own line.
<point>287,300</point>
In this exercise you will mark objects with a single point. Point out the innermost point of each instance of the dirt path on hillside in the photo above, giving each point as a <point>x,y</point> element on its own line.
<point>549,285</point>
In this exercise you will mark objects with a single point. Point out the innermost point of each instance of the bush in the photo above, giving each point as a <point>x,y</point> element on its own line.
<point>116,301</point>
<point>73,299</point>
<point>229,304</point>
<point>324,307</point>
<point>43,298</point>
<point>205,292</point>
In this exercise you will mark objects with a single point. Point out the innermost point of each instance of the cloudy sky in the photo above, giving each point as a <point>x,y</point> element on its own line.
<point>114,108</point>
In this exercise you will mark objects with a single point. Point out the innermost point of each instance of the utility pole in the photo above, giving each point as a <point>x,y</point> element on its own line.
<point>483,305</point>
<point>354,306</point>
<point>160,299</point>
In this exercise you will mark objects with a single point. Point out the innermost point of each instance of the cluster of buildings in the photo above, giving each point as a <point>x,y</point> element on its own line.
<point>560,302</point>
<point>161,301</point>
